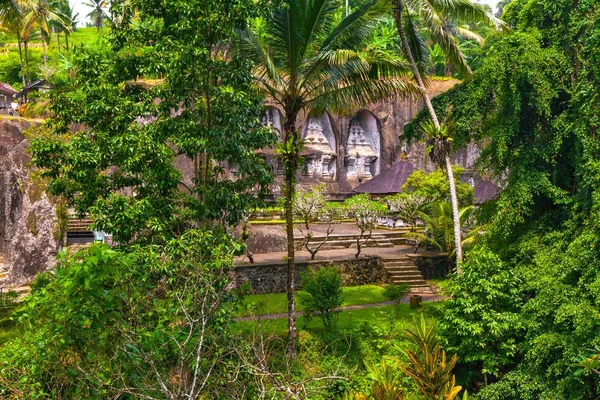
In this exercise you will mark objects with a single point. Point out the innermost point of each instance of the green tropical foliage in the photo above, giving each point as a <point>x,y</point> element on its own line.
<point>428,364</point>
<point>147,322</point>
<point>533,106</point>
<point>141,199</point>
<point>439,232</point>
<point>481,319</point>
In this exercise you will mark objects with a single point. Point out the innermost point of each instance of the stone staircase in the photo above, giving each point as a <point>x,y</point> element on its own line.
<point>345,241</point>
<point>402,270</point>
<point>78,231</point>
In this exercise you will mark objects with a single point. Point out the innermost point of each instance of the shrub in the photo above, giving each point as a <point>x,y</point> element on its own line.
<point>396,293</point>
<point>322,294</point>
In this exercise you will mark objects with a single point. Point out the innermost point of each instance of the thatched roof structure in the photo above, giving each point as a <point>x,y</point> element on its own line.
<point>389,181</point>
<point>7,90</point>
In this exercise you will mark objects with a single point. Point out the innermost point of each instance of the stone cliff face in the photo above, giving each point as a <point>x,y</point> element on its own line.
<point>27,215</point>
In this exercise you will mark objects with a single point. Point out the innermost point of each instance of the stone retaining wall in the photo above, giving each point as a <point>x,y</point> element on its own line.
<point>431,266</point>
<point>272,278</point>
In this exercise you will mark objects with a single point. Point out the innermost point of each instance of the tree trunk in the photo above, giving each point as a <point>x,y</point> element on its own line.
<point>67,40</point>
<point>44,48</point>
<point>27,61</point>
<point>290,167</point>
<point>398,6</point>
<point>21,57</point>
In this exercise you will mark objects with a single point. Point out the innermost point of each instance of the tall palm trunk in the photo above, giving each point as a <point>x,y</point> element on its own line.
<point>20,42</point>
<point>290,166</point>
<point>26,48</point>
<point>44,48</point>
<point>398,7</point>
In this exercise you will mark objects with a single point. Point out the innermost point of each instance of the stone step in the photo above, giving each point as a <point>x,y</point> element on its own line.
<point>405,273</point>
<point>412,282</point>
<point>399,263</point>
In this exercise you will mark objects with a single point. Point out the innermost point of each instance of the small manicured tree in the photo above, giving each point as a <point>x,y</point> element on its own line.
<point>310,206</point>
<point>407,206</point>
<point>365,213</point>
<point>322,294</point>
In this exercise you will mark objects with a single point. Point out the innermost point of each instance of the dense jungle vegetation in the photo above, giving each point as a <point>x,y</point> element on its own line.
<point>155,318</point>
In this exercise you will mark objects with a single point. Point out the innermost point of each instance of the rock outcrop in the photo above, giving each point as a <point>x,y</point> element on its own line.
<point>27,214</point>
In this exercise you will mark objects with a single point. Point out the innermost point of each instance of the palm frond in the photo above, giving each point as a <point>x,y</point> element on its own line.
<point>248,44</point>
<point>466,11</point>
<point>355,30</point>
<point>468,34</point>
<point>348,97</point>
<point>9,11</point>
<point>418,48</point>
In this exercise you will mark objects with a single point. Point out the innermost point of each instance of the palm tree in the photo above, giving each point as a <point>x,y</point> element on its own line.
<point>11,18</point>
<point>67,24</point>
<point>307,63</point>
<point>28,33</point>
<point>439,232</point>
<point>98,14</point>
<point>435,15</point>
<point>44,12</point>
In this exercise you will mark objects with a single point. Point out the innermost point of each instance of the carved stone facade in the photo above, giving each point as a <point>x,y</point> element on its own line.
<point>344,151</point>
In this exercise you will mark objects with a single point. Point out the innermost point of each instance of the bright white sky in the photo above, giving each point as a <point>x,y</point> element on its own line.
<point>84,10</point>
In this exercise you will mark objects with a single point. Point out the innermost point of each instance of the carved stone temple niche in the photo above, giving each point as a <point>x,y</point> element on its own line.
<point>272,118</point>
<point>319,148</point>
<point>362,160</point>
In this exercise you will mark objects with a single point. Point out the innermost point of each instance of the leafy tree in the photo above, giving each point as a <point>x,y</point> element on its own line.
<point>44,13</point>
<point>200,112</point>
<point>149,322</point>
<point>365,213</point>
<point>533,106</point>
<point>481,322</point>
<point>434,186</point>
<point>435,15</point>
<point>322,294</point>
<point>318,68</point>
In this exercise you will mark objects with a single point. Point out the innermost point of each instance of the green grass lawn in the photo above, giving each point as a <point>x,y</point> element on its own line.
<point>347,320</point>
<point>257,304</point>
<point>82,35</point>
